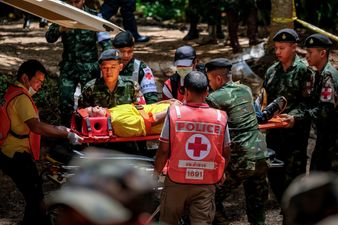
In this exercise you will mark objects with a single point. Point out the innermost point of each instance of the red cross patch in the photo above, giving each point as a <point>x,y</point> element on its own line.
<point>149,76</point>
<point>326,94</point>
<point>197,146</point>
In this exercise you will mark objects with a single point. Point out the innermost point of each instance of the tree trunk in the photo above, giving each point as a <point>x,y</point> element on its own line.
<point>281,17</point>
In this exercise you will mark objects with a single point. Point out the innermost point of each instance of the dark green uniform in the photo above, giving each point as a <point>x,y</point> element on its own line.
<point>325,116</point>
<point>138,71</point>
<point>79,61</point>
<point>248,151</point>
<point>96,93</point>
<point>290,144</point>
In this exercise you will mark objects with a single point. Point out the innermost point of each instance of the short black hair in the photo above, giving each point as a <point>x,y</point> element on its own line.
<point>196,81</point>
<point>30,67</point>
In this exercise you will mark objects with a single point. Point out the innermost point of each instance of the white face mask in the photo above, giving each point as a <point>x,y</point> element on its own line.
<point>183,71</point>
<point>31,91</point>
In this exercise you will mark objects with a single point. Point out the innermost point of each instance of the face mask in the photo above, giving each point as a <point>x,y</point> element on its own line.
<point>31,91</point>
<point>183,71</point>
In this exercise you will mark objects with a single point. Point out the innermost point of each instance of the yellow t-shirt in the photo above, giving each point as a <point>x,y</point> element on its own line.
<point>20,109</point>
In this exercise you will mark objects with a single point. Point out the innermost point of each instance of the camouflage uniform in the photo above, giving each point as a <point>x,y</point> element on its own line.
<point>289,144</point>
<point>248,151</point>
<point>325,116</point>
<point>96,93</point>
<point>79,61</point>
<point>144,77</point>
<point>235,8</point>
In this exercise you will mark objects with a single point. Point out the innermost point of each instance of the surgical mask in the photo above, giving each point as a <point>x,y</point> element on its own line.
<point>183,71</point>
<point>31,91</point>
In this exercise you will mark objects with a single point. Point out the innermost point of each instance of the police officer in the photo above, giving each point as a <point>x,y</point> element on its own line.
<point>248,164</point>
<point>135,69</point>
<point>185,62</point>
<point>197,159</point>
<point>289,77</point>
<point>105,191</point>
<point>325,99</point>
<point>127,8</point>
<point>110,89</point>
<point>79,59</point>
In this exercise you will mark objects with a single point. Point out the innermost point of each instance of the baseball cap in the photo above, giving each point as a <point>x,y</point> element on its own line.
<point>110,54</point>
<point>107,188</point>
<point>184,56</point>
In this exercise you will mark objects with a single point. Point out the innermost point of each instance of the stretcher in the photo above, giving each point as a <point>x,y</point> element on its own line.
<point>100,130</point>
<point>275,122</point>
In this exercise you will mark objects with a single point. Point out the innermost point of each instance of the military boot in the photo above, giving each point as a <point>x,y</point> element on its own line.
<point>275,108</point>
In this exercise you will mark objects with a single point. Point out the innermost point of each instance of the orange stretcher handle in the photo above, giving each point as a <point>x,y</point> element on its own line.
<point>275,122</point>
<point>104,139</point>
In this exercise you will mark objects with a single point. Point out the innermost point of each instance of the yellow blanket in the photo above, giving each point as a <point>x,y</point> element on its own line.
<point>128,122</point>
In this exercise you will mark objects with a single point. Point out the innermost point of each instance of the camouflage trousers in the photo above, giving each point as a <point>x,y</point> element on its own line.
<point>255,188</point>
<point>72,73</point>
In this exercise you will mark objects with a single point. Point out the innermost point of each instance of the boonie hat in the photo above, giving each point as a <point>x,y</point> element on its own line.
<point>184,56</point>
<point>317,41</point>
<point>218,63</point>
<point>123,39</point>
<point>286,35</point>
<point>110,54</point>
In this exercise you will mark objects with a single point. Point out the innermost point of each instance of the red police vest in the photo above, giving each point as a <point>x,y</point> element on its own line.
<point>178,95</point>
<point>34,138</point>
<point>196,146</point>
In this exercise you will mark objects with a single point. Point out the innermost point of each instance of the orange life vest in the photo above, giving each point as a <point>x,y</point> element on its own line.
<point>34,138</point>
<point>196,144</point>
<point>174,87</point>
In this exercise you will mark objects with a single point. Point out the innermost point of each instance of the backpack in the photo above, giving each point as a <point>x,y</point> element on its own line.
<point>11,93</point>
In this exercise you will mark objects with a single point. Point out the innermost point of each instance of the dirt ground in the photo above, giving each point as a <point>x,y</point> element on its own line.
<point>18,45</point>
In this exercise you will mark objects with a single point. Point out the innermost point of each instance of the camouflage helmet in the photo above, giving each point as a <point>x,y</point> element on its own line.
<point>107,188</point>
<point>309,199</point>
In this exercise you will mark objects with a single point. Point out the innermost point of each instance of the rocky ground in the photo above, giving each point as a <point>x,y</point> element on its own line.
<point>18,45</point>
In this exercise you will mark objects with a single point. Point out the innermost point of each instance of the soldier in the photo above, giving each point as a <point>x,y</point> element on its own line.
<point>249,9</point>
<point>135,69</point>
<point>195,142</point>
<point>110,8</point>
<point>211,12</point>
<point>185,62</point>
<point>291,78</point>
<point>79,59</point>
<point>105,191</point>
<point>109,90</point>
<point>325,99</point>
<point>248,165</point>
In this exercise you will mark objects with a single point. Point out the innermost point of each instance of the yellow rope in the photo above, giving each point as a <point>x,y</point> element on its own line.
<point>305,24</point>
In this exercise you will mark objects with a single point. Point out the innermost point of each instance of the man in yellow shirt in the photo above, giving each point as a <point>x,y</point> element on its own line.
<point>22,144</point>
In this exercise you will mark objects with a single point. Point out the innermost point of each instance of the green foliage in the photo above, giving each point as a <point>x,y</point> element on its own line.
<point>5,80</point>
<point>46,99</point>
<point>162,9</point>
